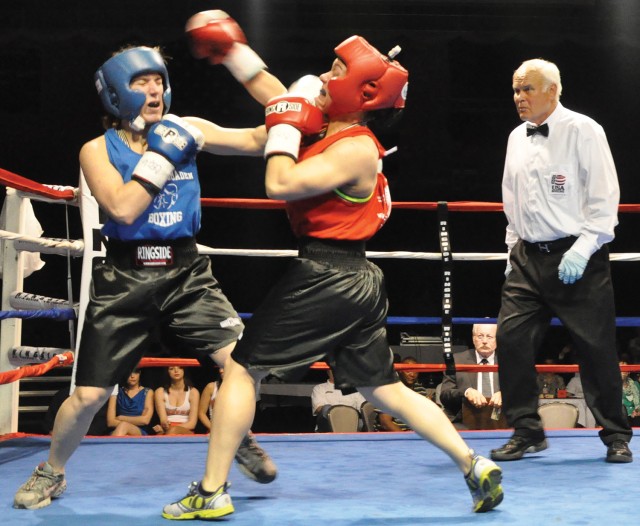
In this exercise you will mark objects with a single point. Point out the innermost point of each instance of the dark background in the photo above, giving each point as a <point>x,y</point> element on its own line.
<point>451,141</point>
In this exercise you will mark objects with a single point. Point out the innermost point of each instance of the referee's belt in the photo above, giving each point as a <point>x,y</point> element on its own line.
<point>550,247</point>
<point>152,253</point>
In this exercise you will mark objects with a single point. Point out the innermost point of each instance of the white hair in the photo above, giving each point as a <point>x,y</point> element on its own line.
<point>548,70</point>
<point>478,325</point>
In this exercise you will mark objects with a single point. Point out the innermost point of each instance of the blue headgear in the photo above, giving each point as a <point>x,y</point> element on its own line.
<point>115,75</point>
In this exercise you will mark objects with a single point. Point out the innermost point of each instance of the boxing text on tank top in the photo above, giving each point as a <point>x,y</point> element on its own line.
<point>175,212</point>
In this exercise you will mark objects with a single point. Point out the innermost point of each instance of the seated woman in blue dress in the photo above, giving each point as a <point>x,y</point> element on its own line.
<point>130,407</point>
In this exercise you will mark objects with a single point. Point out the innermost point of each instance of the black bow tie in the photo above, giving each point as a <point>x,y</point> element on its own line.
<point>542,130</point>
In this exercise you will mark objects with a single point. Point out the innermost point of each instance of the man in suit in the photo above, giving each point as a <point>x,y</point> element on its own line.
<point>474,398</point>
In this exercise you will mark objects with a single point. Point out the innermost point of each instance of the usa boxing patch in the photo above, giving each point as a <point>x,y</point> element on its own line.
<point>154,256</point>
<point>558,184</point>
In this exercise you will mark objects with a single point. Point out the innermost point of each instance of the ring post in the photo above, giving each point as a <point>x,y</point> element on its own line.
<point>11,328</point>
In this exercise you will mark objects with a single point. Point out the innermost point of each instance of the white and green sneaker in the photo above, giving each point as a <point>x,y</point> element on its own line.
<point>197,506</point>
<point>483,481</point>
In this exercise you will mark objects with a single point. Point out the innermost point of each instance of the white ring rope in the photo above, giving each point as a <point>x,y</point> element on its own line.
<point>26,301</point>
<point>44,245</point>
<point>76,248</point>
<point>24,354</point>
<point>398,254</point>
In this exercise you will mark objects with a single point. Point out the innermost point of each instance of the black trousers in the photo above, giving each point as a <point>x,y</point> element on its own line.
<point>531,295</point>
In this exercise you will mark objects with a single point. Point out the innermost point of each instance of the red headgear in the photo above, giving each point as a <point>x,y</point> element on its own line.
<point>373,81</point>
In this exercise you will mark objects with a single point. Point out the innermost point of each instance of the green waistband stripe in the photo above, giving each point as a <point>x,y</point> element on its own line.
<point>353,199</point>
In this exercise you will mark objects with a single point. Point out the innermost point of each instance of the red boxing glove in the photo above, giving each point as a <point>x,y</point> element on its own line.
<point>216,36</point>
<point>296,111</point>
<point>287,118</point>
<point>211,35</point>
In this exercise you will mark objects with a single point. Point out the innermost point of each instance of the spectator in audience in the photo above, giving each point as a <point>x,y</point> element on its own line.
<point>633,347</point>
<point>567,356</point>
<point>387,422</point>
<point>130,407</point>
<point>548,382</point>
<point>326,395</point>
<point>574,387</point>
<point>176,404</point>
<point>630,395</point>
<point>478,392</point>
<point>208,400</point>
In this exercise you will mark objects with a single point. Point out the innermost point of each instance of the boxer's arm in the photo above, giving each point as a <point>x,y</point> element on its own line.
<point>215,36</point>
<point>122,202</point>
<point>170,142</point>
<point>264,86</point>
<point>350,164</point>
<point>230,141</point>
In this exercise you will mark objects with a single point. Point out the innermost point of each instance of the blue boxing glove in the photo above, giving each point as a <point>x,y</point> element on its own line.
<point>571,267</point>
<point>170,142</point>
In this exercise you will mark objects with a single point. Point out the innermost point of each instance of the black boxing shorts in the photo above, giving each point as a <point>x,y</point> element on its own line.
<point>330,305</point>
<point>130,304</point>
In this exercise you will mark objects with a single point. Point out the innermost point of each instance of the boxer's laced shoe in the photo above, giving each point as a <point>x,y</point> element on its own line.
<point>43,485</point>
<point>483,481</point>
<point>198,506</point>
<point>254,462</point>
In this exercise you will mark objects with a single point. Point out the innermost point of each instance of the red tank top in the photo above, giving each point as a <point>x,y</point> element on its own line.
<point>335,216</point>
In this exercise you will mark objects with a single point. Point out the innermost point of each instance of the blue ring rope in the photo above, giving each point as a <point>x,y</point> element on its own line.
<point>628,321</point>
<point>55,314</point>
<point>68,314</point>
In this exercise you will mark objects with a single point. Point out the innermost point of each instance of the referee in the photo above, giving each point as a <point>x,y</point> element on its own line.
<point>560,193</point>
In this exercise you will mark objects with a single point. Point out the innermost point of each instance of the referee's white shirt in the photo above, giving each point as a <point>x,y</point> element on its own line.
<point>561,185</point>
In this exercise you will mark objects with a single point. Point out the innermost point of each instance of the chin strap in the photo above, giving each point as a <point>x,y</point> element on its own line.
<point>138,123</point>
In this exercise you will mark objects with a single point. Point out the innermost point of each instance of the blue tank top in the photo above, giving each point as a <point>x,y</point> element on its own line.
<point>175,212</point>
<point>126,406</point>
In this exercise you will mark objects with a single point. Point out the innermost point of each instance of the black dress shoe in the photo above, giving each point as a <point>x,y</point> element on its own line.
<point>618,451</point>
<point>517,447</point>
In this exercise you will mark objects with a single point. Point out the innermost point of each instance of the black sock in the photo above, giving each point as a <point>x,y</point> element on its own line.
<point>203,492</point>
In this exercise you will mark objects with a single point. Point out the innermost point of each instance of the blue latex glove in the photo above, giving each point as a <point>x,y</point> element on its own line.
<point>571,267</point>
<point>508,270</point>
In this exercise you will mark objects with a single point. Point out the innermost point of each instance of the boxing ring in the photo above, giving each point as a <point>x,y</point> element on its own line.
<point>341,479</point>
<point>363,479</point>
